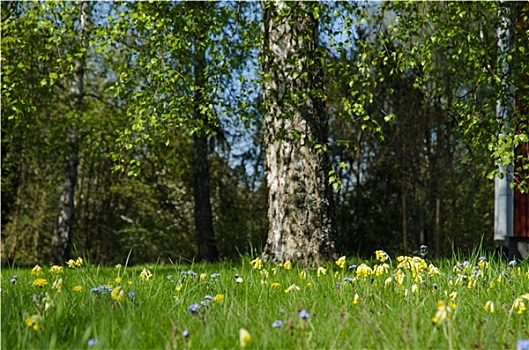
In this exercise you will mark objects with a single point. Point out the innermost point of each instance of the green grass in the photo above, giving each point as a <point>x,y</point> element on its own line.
<point>383,315</point>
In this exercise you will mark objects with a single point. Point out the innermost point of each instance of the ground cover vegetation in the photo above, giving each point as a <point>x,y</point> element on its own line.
<point>384,302</point>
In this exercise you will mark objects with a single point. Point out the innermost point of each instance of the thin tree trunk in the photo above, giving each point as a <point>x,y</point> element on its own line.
<point>62,240</point>
<point>404,225</point>
<point>205,234</point>
<point>301,225</point>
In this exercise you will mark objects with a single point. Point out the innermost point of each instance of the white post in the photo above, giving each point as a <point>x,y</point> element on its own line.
<point>503,193</point>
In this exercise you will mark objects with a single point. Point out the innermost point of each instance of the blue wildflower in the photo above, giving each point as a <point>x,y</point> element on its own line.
<point>193,308</point>
<point>352,267</point>
<point>185,333</point>
<point>92,342</point>
<point>513,263</point>
<point>303,314</point>
<point>170,277</point>
<point>208,297</point>
<point>215,275</point>
<point>423,247</point>
<point>203,303</point>
<point>132,295</point>
<point>348,279</point>
<point>13,279</point>
<point>277,324</point>
<point>522,344</point>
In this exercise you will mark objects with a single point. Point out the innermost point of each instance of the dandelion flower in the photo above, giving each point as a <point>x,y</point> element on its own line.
<point>40,282</point>
<point>341,262</point>
<point>36,271</point>
<point>244,337</point>
<point>78,289</point>
<point>219,297</point>
<point>275,284</point>
<point>310,285</point>
<point>118,280</point>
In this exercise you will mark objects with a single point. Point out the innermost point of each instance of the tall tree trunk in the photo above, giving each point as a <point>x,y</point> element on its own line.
<point>62,240</point>
<point>301,225</point>
<point>205,234</point>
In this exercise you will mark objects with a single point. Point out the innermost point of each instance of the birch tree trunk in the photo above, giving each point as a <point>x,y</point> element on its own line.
<point>63,232</point>
<point>301,225</point>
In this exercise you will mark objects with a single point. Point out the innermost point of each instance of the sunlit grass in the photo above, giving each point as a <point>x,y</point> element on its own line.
<point>387,302</point>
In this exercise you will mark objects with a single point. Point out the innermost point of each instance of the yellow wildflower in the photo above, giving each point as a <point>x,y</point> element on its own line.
<point>118,266</point>
<point>57,284</point>
<point>381,255</point>
<point>71,263</point>
<point>36,271</point>
<point>264,273</point>
<point>341,262</point>
<point>310,285</point>
<point>257,263</point>
<point>244,337</point>
<point>275,284</point>
<point>303,275</point>
<point>519,305</point>
<point>117,280</point>
<point>363,270</point>
<point>118,294</point>
<point>381,269</point>
<point>79,262</point>
<point>274,270</point>
<point>145,274</point>
<point>56,269</point>
<point>178,287</point>
<point>414,288</point>
<point>443,312</point>
<point>218,297</point>
<point>489,306</point>
<point>322,271</point>
<point>388,281</point>
<point>291,288</point>
<point>287,265</point>
<point>356,299</point>
<point>40,282</point>
<point>203,277</point>
<point>78,289</point>
<point>34,322</point>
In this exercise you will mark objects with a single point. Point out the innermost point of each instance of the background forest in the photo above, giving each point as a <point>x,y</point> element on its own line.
<point>138,127</point>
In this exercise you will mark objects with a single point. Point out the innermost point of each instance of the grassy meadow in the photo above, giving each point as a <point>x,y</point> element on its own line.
<point>383,303</point>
